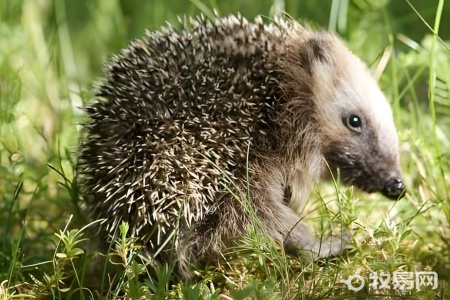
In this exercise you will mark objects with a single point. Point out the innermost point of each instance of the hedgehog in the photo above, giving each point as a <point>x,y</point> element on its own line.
<point>190,125</point>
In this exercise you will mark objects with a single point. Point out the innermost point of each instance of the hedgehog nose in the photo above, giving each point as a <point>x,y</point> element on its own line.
<point>394,189</point>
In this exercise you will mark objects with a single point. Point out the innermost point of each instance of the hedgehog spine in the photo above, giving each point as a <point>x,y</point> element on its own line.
<point>178,109</point>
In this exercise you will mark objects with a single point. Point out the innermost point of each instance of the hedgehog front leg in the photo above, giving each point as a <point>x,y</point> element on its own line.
<point>286,227</point>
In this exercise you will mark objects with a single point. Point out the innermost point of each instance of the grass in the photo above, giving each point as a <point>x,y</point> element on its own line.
<point>52,51</point>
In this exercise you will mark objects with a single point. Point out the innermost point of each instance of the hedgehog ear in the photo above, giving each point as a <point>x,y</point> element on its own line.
<point>313,51</point>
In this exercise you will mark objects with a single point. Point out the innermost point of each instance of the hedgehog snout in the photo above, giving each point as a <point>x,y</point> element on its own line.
<point>394,189</point>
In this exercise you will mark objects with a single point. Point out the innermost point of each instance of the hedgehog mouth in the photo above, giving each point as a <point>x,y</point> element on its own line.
<point>358,175</point>
<point>393,188</point>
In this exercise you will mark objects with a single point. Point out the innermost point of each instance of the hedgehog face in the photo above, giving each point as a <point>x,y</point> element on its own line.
<point>356,126</point>
<point>365,156</point>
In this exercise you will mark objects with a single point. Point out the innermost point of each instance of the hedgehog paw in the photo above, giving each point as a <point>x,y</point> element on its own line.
<point>331,246</point>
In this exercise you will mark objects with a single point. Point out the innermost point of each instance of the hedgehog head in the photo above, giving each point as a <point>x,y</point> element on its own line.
<point>353,123</point>
<point>358,133</point>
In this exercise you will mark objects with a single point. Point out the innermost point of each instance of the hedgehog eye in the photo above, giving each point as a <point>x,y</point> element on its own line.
<point>353,122</point>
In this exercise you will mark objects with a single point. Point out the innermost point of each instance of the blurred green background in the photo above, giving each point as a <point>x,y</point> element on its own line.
<point>52,51</point>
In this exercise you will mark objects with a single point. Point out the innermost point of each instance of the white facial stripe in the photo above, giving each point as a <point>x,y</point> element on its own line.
<point>376,107</point>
